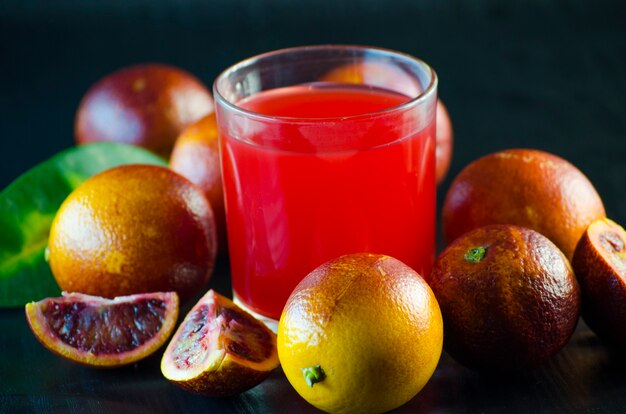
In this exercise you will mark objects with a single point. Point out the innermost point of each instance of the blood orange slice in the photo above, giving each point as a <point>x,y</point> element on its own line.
<point>219,349</point>
<point>101,332</point>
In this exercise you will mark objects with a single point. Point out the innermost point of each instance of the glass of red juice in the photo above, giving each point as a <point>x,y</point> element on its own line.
<point>325,151</point>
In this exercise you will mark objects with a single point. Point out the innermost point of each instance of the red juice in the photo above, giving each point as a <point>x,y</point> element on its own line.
<point>336,171</point>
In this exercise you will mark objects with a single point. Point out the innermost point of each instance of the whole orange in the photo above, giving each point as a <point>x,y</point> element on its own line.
<point>196,157</point>
<point>375,73</point>
<point>388,76</point>
<point>146,105</point>
<point>525,187</point>
<point>444,142</point>
<point>360,334</point>
<point>133,229</point>
<point>508,296</point>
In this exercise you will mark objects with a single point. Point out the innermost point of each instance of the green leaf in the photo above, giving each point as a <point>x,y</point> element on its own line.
<point>29,204</point>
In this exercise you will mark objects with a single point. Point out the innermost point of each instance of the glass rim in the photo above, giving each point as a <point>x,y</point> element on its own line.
<point>413,101</point>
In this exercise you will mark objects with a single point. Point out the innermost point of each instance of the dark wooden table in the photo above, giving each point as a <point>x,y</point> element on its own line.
<point>584,377</point>
<point>541,74</point>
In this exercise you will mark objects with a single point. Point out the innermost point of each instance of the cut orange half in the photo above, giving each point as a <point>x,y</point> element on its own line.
<point>100,332</point>
<point>219,349</point>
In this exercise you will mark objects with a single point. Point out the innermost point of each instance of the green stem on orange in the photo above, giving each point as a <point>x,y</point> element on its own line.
<point>475,254</point>
<point>313,375</point>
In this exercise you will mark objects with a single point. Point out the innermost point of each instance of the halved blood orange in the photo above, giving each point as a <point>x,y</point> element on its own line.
<point>100,332</point>
<point>219,349</point>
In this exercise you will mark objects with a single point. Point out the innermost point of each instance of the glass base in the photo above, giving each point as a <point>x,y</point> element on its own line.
<point>269,322</point>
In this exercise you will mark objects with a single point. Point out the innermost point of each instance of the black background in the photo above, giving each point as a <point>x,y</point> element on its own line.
<point>547,74</point>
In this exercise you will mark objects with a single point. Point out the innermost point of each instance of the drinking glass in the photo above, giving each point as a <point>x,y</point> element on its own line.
<point>325,151</point>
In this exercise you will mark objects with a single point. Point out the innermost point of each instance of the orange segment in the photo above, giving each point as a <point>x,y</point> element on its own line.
<point>219,349</point>
<point>101,332</point>
<point>612,237</point>
<point>599,263</point>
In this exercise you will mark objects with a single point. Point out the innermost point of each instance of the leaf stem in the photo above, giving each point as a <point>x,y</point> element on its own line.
<point>475,254</point>
<point>313,375</point>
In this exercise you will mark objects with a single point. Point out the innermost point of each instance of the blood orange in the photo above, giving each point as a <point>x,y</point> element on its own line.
<point>508,297</point>
<point>101,332</point>
<point>196,156</point>
<point>523,187</point>
<point>134,229</point>
<point>387,76</point>
<point>219,349</point>
<point>362,333</point>
<point>600,265</point>
<point>146,105</point>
